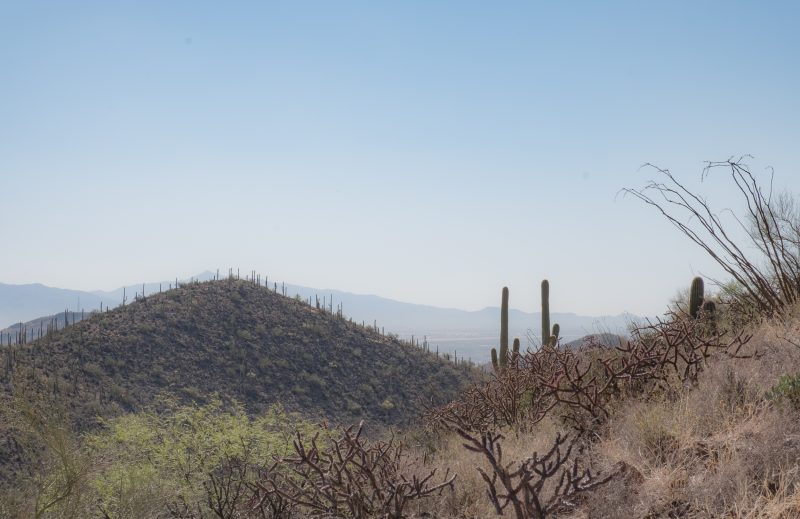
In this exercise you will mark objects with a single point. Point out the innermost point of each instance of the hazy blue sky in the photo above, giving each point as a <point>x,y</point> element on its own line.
<point>426,151</point>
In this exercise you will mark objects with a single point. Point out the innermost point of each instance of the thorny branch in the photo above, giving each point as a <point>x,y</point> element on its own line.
<point>537,486</point>
<point>351,477</point>
<point>580,384</point>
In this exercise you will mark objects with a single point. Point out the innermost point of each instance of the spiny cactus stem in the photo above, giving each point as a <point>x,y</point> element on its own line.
<point>545,312</point>
<point>696,296</point>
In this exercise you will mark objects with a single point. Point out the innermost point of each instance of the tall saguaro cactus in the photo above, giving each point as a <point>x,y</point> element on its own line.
<point>500,359</point>
<point>503,360</point>
<point>500,362</point>
<point>545,312</point>
<point>549,335</point>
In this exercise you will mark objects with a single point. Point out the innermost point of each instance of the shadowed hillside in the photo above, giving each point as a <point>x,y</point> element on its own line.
<point>242,341</point>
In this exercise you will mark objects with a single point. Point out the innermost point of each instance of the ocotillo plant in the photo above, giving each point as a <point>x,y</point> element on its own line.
<point>696,296</point>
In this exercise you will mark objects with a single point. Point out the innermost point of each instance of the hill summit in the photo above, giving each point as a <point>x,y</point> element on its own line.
<point>240,341</point>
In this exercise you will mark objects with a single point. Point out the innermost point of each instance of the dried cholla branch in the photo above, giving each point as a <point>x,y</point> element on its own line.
<point>265,501</point>
<point>677,346</point>
<point>582,383</point>
<point>231,492</point>
<point>536,487</point>
<point>350,477</point>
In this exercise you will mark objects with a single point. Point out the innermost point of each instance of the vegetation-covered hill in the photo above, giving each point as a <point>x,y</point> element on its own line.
<point>239,340</point>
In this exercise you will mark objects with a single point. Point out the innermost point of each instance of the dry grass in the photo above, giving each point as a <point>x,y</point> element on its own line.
<point>719,449</point>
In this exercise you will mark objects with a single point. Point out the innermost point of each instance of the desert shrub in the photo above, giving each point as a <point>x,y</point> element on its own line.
<point>193,393</point>
<point>582,386</point>
<point>92,370</point>
<point>148,464</point>
<point>312,381</point>
<point>245,335</point>
<point>351,477</point>
<point>57,486</point>
<point>787,389</point>
<point>653,434</point>
<point>735,392</point>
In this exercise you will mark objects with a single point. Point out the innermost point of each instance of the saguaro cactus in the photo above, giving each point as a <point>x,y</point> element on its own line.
<point>503,360</point>
<point>545,312</point>
<point>549,335</point>
<point>709,314</point>
<point>515,353</point>
<point>696,296</point>
<point>709,309</point>
<point>499,362</point>
<point>554,335</point>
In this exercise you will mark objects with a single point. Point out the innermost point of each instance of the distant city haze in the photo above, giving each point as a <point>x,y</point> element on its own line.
<point>427,152</point>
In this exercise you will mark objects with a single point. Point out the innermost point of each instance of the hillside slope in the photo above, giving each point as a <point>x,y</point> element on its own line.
<point>242,341</point>
<point>37,328</point>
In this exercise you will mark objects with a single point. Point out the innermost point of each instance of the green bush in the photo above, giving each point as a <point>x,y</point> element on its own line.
<point>145,461</point>
<point>787,389</point>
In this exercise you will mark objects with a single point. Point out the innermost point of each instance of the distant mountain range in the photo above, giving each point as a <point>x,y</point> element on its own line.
<point>471,333</point>
<point>21,303</point>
